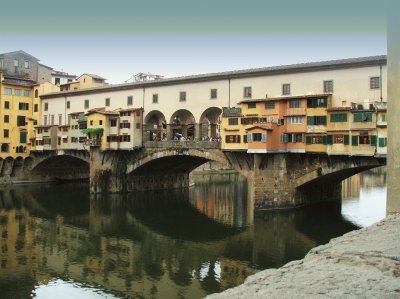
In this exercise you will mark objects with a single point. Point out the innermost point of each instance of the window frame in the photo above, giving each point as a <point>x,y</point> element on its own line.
<point>286,89</point>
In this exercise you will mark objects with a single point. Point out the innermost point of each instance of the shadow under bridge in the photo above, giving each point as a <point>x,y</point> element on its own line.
<point>169,168</point>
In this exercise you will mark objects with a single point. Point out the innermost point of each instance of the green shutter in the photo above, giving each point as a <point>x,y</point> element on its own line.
<point>22,137</point>
<point>373,140</point>
<point>324,139</point>
<point>354,140</point>
<point>381,142</point>
<point>358,117</point>
<point>263,137</point>
<point>333,118</point>
<point>346,139</point>
<point>367,116</point>
<point>329,139</point>
<point>324,120</point>
<point>344,117</point>
<point>308,140</point>
<point>310,120</point>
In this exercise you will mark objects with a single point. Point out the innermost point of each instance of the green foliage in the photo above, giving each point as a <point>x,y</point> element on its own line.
<point>92,131</point>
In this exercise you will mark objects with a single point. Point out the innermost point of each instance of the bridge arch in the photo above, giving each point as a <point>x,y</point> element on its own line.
<point>62,166</point>
<point>178,160</point>
<point>209,122</point>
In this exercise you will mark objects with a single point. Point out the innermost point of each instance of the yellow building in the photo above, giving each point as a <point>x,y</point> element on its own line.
<point>16,102</point>
<point>84,81</point>
<point>232,130</point>
<point>338,130</point>
<point>316,139</point>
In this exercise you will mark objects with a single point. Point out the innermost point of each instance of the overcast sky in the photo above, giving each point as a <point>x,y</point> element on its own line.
<point>119,38</point>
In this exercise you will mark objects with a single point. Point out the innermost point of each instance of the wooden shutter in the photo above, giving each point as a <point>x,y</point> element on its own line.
<point>308,140</point>
<point>263,137</point>
<point>346,139</point>
<point>249,137</point>
<point>310,120</point>
<point>354,140</point>
<point>373,140</point>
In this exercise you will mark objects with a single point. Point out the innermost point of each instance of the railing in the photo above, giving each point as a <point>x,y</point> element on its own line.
<point>183,144</point>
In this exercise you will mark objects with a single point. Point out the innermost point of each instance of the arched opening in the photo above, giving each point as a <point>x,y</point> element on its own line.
<point>62,168</point>
<point>5,147</point>
<point>210,124</point>
<point>155,126</point>
<point>28,162</point>
<point>182,125</point>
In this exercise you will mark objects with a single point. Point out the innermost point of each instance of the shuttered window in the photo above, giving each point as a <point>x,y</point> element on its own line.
<point>338,117</point>
<point>346,139</point>
<point>354,140</point>
<point>363,117</point>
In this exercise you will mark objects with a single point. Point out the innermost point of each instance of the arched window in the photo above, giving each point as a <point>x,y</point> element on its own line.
<point>36,93</point>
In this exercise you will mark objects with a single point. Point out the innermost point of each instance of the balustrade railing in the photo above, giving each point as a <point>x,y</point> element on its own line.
<point>183,144</point>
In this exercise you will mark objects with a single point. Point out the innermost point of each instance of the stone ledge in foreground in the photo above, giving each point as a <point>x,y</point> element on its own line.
<point>361,264</point>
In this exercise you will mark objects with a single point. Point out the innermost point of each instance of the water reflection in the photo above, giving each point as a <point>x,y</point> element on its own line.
<point>148,245</point>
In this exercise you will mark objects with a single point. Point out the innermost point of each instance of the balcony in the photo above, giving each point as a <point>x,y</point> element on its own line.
<point>295,111</point>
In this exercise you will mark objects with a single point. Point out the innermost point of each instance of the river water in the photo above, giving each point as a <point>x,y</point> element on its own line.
<point>56,242</point>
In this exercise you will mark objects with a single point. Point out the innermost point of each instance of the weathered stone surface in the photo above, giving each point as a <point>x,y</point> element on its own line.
<point>361,264</point>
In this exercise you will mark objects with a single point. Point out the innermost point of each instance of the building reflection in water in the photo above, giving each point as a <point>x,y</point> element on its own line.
<point>172,244</point>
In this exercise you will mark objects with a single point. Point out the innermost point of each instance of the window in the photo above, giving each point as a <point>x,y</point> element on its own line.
<point>130,100</point>
<point>68,104</point>
<point>26,64</point>
<point>6,133</point>
<point>364,139</point>
<point>317,102</point>
<point>137,125</point>
<point>91,122</point>
<point>182,96</point>
<point>382,141</point>
<point>247,92</point>
<point>57,81</point>
<point>6,119</point>
<point>112,138</point>
<point>36,93</point>
<point>27,93</point>
<point>232,138</point>
<point>15,63</point>
<point>113,122</point>
<point>138,113</point>
<point>251,105</point>
<point>23,106</point>
<point>125,125</point>
<point>20,120</point>
<point>22,137</point>
<point>363,117</point>
<point>125,138</point>
<point>46,106</point>
<point>316,139</point>
<point>295,104</point>
<point>213,94</point>
<point>100,122</point>
<point>285,89</point>
<point>316,120</point>
<point>155,98</point>
<point>107,104</point>
<point>52,119</point>
<point>6,105</point>
<point>328,86</point>
<point>374,82</point>
<point>17,92</point>
<point>292,138</point>
<point>338,117</point>
<point>233,121</point>
<point>86,104</point>
<point>60,119</point>
<point>269,105</point>
<point>338,139</point>
<point>383,117</point>
<point>295,120</point>
<point>8,91</point>
<point>45,120</point>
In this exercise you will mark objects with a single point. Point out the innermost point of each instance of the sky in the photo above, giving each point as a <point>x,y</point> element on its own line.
<point>119,38</point>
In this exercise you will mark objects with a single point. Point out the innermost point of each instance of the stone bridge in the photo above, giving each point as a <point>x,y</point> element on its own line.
<point>275,180</point>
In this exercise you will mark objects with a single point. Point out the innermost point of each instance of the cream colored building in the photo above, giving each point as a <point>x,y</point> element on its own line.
<point>187,104</point>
